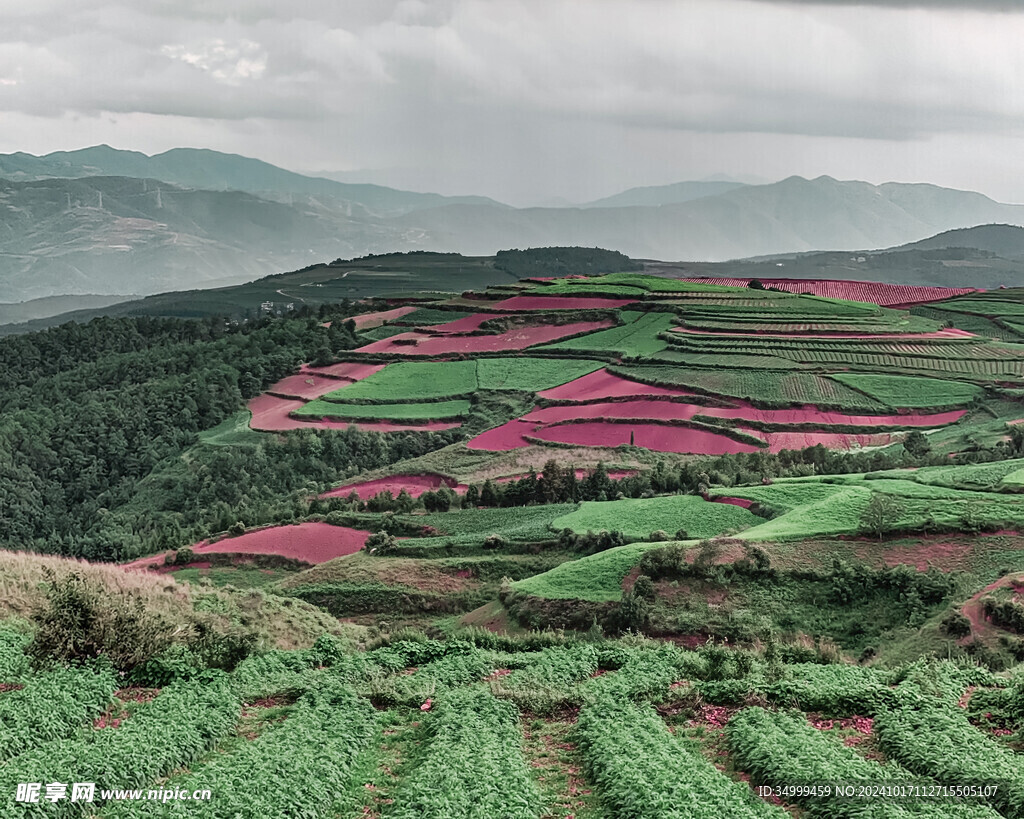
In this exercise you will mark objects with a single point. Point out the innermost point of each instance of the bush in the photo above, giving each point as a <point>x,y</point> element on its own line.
<point>956,625</point>
<point>381,543</point>
<point>495,542</point>
<point>81,621</point>
<point>658,536</point>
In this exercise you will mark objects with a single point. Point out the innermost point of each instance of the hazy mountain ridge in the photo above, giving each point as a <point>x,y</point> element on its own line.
<point>213,170</point>
<point>655,195</point>
<point>132,234</point>
<point>117,234</point>
<point>793,215</point>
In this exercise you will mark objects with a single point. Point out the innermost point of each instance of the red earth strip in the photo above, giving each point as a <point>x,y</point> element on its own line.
<point>271,414</point>
<point>517,303</point>
<point>948,333</point>
<point>603,384</point>
<point>415,485</point>
<point>311,542</point>
<point>875,292</point>
<point>347,370</point>
<point>657,437</point>
<point>516,339</point>
<point>369,320</point>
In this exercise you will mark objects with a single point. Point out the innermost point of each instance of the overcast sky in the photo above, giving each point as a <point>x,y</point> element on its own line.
<point>536,99</point>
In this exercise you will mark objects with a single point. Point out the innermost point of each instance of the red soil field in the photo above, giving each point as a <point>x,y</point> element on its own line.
<point>271,414</point>
<point>947,333</point>
<point>517,303</point>
<point>415,485</point>
<point>500,439</point>
<point>306,385</point>
<point>369,320</point>
<point>383,426</point>
<point>312,542</point>
<point>656,437</point>
<point>516,339</point>
<point>778,441</point>
<point>603,384</point>
<point>654,410</point>
<point>886,295</point>
<point>347,370</point>
<point>746,503</point>
<point>614,474</point>
<point>809,414</point>
<point>672,410</point>
<point>463,325</point>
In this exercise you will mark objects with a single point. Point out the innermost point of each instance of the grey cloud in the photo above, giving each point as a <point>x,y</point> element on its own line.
<point>967,5</point>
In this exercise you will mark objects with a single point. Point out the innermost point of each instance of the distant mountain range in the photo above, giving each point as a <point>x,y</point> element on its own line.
<point>101,220</point>
<point>213,170</point>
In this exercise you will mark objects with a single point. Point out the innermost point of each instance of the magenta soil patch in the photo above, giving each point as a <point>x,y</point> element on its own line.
<point>500,439</point>
<point>656,437</point>
<point>345,370</point>
<point>778,441</point>
<point>384,426</point>
<point>948,333</point>
<point>517,303</point>
<point>270,413</point>
<point>369,320</point>
<point>306,385</point>
<point>603,384</point>
<point>517,339</point>
<point>467,324</point>
<point>746,503</point>
<point>415,485</point>
<point>311,542</point>
<point>886,295</point>
<point>641,410</point>
<point>614,474</point>
<point>809,414</point>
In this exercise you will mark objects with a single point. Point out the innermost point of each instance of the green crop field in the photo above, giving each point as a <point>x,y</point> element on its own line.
<point>638,517</point>
<point>595,578</point>
<point>903,392</point>
<point>637,337</point>
<point>517,523</point>
<point>438,410</point>
<point>411,381</point>
<point>531,374</point>
<point>770,389</point>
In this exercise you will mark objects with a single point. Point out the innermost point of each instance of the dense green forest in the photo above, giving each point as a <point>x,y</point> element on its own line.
<point>95,418</point>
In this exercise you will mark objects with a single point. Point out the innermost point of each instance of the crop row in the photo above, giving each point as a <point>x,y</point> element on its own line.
<point>549,680</point>
<point>298,768</point>
<point>430,410</point>
<point>939,742</point>
<point>162,735</point>
<point>473,764</point>
<point>52,706</point>
<point>762,388</point>
<point>783,748</point>
<point>644,772</point>
<point>832,690</point>
<point>432,680</point>
<point>13,660</point>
